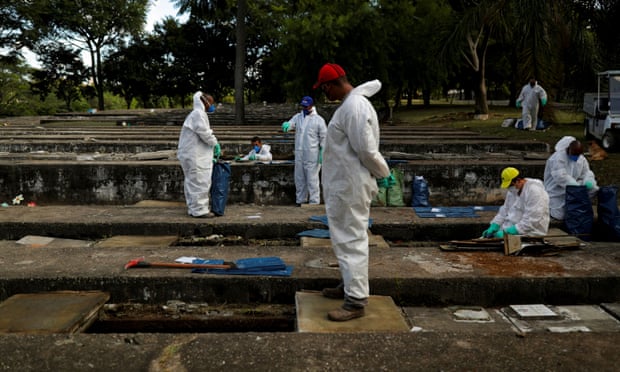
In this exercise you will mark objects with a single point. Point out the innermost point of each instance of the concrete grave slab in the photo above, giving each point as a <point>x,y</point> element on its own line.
<point>374,241</point>
<point>119,241</point>
<point>37,241</point>
<point>573,318</point>
<point>612,308</point>
<point>382,315</point>
<point>50,312</point>
<point>457,319</point>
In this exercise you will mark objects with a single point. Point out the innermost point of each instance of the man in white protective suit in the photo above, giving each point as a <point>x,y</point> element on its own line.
<point>310,131</point>
<point>525,210</point>
<point>531,95</point>
<point>197,148</point>
<point>352,170</point>
<point>567,166</point>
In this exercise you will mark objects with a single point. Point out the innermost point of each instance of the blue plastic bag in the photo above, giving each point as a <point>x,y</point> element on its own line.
<point>608,213</point>
<point>420,192</point>
<point>220,178</point>
<point>579,218</point>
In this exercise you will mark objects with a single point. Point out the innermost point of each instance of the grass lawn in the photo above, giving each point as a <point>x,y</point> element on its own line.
<point>566,123</point>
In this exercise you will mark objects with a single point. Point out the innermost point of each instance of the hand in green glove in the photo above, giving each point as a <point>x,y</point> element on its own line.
<point>252,157</point>
<point>499,234</point>
<point>237,158</point>
<point>285,126</point>
<point>488,233</point>
<point>512,230</point>
<point>217,150</point>
<point>589,185</point>
<point>543,101</point>
<point>321,156</point>
<point>518,104</point>
<point>386,182</point>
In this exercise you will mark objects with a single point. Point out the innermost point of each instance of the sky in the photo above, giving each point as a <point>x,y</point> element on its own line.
<point>158,10</point>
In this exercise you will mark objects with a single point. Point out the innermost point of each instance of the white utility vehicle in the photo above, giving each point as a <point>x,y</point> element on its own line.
<point>602,110</point>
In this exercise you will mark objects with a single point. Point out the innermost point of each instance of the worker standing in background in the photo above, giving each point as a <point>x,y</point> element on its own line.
<point>310,131</point>
<point>353,168</point>
<point>531,95</point>
<point>197,148</point>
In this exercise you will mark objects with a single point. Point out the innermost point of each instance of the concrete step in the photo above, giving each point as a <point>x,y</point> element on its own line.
<point>466,181</point>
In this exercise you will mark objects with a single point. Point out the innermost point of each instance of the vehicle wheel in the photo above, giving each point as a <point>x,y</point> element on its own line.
<point>586,132</point>
<point>608,141</point>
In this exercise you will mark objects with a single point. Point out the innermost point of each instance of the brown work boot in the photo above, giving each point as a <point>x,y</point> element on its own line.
<point>342,314</point>
<point>336,293</point>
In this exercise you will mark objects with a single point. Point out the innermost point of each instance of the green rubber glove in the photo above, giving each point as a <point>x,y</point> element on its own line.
<point>252,157</point>
<point>285,126</point>
<point>217,150</point>
<point>512,230</point>
<point>543,101</point>
<point>488,233</point>
<point>320,156</point>
<point>518,104</point>
<point>237,158</point>
<point>499,234</point>
<point>386,182</point>
<point>589,185</point>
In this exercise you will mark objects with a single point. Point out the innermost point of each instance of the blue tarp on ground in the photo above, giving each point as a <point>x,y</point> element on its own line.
<point>323,220</point>
<point>315,233</point>
<point>270,266</point>
<point>453,212</point>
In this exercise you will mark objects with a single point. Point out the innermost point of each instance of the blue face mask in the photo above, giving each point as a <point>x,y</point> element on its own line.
<point>256,149</point>
<point>211,108</point>
<point>306,111</point>
<point>573,157</point>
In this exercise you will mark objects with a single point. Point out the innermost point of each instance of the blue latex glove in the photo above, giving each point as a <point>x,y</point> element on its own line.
<point>589,185</point>
<point>488,233</point>
<point>518,104</point>
<point>499,234</point>
<point>217,150</point>
<point>252,157</point>
<point>512,230</point>
<point>285,126</point>
<point>321,156</point>
<point>543,101</point>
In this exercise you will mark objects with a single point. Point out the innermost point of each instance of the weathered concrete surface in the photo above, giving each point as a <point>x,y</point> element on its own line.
<point>446,351</point>
<point>451,182</point>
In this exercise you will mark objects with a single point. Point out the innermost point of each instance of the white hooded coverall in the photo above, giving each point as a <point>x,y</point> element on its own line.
<point>560,171</point>
<point>263,155</point>
<point>351,162</point>
<point>195,152</point>
<point>529,211</point>
<point>310,132</point>
<point>529,99</point>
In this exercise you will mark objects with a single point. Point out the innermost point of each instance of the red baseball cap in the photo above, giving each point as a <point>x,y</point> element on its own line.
<point>329,72</point>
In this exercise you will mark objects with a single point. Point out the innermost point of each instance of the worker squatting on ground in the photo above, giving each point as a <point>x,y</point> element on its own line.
<point>531,95</point>
<point>260,151</point>
<point>525,210</point>
<point>197,148</point>
<point>352,169</point>
<point>310,131</point>
<point>567,166</point>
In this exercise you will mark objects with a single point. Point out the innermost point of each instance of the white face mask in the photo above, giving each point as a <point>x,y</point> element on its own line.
<point>512,189</point>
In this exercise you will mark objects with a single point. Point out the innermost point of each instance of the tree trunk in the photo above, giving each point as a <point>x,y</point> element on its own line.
<point>240,61</point>
<point>481,104</point>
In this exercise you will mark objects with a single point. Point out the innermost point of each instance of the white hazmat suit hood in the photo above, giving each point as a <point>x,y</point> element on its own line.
<point>351,164</point>
<point>195,153</point>
<point>561,171</point>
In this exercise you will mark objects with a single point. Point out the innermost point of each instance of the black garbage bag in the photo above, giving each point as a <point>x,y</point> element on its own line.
<point>220,178</point>
<point>608,223</point>
<point>420,192</point>
<point>579,218</point>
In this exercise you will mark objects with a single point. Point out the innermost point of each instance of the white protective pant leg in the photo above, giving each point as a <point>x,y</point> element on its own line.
<point>301,184</point>
<point>313,182</point>
<point>197,186</point>
<point>530,117</point>
<point>353,263</point>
